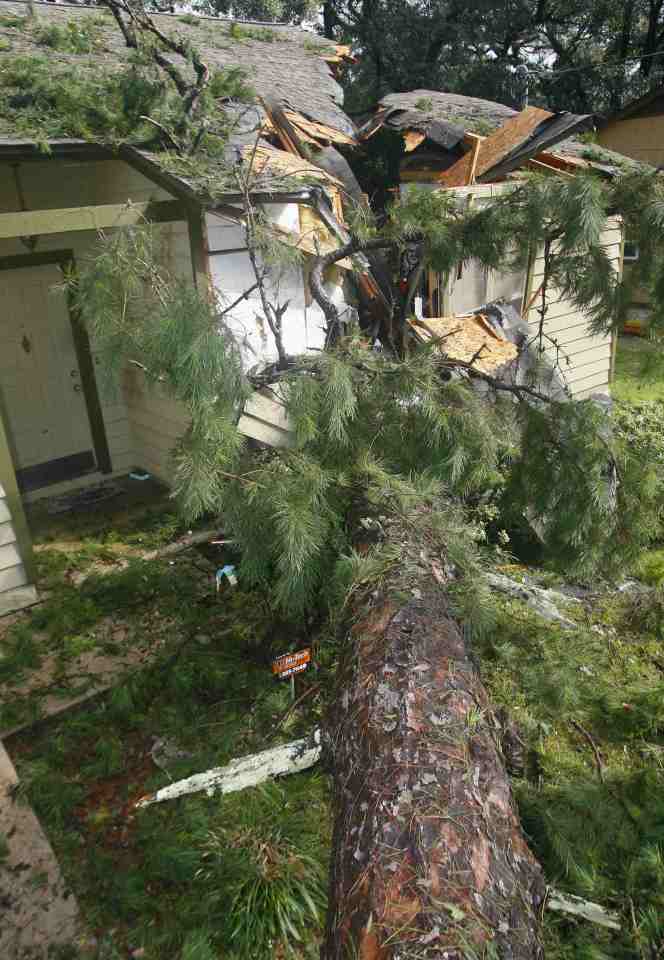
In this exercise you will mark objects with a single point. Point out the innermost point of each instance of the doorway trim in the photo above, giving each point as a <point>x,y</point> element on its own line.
<point>65,260</point>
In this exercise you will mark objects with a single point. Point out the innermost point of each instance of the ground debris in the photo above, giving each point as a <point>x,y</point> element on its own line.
<point>245,771</point>
<point>540,600</point>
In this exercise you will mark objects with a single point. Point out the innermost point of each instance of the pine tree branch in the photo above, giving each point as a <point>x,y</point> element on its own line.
<point>168,136</point>
<point>133,21</point>
<point>243,296</point>
<point>593,746</point>
<point>320,264</point>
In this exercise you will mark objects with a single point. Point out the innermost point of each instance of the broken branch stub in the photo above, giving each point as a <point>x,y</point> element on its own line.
<point>245,771</point>
<point>428,856</point>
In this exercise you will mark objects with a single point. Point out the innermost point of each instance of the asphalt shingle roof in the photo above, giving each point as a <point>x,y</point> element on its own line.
<point>444,117</point>
<point>283,61</point>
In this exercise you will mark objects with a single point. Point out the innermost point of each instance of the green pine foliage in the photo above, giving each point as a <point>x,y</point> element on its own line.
<point>136,311</point>
<point>393,432</point>
<point>47,101</point>
<point>44,98</point>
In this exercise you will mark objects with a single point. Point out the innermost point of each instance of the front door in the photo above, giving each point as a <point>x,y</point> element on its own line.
<point>40,380</point>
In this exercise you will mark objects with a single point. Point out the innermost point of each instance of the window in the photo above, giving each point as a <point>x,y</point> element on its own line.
<point>631,252</point>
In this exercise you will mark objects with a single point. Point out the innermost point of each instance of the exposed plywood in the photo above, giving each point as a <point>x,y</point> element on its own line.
<point>496,147</point>
<point>412,139</point>
<point>38,222</point>
<point>318,132</point>
<point>314,236</point>
<point>278,162</point>
<point>467,339</point>
<point>512,133</point>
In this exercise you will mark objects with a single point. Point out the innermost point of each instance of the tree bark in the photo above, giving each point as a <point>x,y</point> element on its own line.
<point>428,857</point>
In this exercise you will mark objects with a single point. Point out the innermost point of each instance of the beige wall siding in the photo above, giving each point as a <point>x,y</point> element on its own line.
<point>156,421</point>
<point>641,138</point>
<point>55,184</point>
<point>583,358</point>
<point>12,571</point>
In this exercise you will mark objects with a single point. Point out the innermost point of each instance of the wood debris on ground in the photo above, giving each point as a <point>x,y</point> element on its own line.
<point>468,338</point>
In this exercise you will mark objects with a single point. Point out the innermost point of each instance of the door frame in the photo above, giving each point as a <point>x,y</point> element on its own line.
<point>65,260</point>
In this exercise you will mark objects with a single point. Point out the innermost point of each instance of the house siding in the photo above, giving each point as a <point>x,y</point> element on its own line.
<point>157,422</point>
<point>583,358</point>
<point>16,591</point>
<point>56,184</point>
<point>641,138</point>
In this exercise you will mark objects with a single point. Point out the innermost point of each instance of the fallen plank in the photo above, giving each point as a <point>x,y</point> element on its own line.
<point>245,771</point>
<point>184,543</point>
<point>585,909</point>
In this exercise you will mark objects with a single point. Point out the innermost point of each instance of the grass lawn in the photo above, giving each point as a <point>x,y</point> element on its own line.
<point>236,876</point>
<point>629,384</point>
<point>243,877</point>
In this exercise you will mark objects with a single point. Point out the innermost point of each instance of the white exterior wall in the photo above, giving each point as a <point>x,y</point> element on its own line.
<point>143,424</point>
<point>303,324</point>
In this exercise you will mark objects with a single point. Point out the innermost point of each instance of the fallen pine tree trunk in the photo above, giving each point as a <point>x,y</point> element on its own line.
<point>428,856</point>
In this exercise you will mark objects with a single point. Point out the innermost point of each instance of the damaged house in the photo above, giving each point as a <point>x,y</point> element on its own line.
<point>477,149</point>
<point>58,429</point>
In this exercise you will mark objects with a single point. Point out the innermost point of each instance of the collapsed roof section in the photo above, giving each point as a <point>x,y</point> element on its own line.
<point>462,140</point>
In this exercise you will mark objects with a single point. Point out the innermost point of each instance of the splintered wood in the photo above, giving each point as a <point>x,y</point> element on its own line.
<point>495,148</point>
<point>273,163</point>
<point>311,131</point>
<point>412,139</point>
<point>468,338</point>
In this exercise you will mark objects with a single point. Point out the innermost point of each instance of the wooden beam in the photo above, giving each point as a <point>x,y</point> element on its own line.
<point>198,248</point>
<point>90,390</point>
<point>496,147</point>
<point>40,222</point>
<point>476,144</point>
